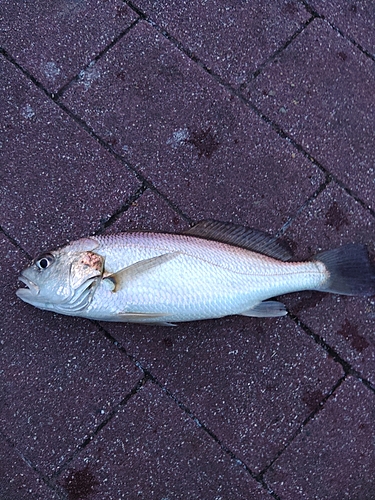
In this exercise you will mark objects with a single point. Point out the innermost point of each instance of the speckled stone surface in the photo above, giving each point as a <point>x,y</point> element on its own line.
<point>153,449</point>
<point>18,478</point>
<point>53,42</point>
<point>150,211</point>
<point>53,171</point>
<point>199,142</point>
<point>329,111</point>
<point>355,19</point>
<point>232,39</point>
<point>243,380</point>
<point>153,115</point>
<point>339,434</point>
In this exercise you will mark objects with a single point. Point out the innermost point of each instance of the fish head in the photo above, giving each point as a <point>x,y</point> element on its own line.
<point>62,280</point>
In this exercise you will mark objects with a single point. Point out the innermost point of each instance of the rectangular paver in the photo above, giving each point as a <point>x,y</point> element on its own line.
<point>55,41</point>
<point>151,449</point>
<point>57,182</point>
<point>328,110</point>
<point>200,146</point>
<point>333,457</point>
<point>59,379</point>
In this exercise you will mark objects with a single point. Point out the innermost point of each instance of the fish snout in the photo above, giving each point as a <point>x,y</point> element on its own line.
<point>31,289</point>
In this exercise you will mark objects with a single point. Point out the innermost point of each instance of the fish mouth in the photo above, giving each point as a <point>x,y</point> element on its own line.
<point>31,289</point>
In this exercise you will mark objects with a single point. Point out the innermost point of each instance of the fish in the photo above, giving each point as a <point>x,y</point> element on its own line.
<point>212,270</point>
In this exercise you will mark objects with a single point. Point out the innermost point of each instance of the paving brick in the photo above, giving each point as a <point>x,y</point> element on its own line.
<point>151,449</point>
<point>18,481</point>
<point>345,323</point>
<point>231,38</point>
<point>57,182</point>
<point>60,378</point>
<point>53,42</point>
<point>329,109</point>
<point>200,146</point>
<point>150,212</point>
<point>334,218</point>
<point>251,382</point>
<point>333,456</point>
<point>355,19</point>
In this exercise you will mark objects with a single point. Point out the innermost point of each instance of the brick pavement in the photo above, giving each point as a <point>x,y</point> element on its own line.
<point>152,115</point>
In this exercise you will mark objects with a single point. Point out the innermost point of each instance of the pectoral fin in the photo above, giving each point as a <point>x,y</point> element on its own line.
<point>267,309</point>
<point>116,280</point>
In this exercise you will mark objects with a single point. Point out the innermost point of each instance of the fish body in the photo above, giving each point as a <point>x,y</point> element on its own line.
<point>212,270</point>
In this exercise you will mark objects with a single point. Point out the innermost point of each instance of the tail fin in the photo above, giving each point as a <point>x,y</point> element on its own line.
<point>350,270</point>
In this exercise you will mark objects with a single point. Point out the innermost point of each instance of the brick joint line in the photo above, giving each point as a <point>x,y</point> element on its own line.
<point>348,369</point>
<point>303,207</point>
<point>122,209</point>
<point>314,13</point>
<point>15,242</point>
<point>91,435</point>
<point>278,51</point>
<point>301,427</point>
<point>104,51</point>
<point>148,376</point>
<point>239,92</point>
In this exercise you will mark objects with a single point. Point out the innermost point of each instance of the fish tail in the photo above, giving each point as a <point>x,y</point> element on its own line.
<point>350,271</point>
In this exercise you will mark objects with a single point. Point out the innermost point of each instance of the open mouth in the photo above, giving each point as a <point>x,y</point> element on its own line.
<point>30,289</point>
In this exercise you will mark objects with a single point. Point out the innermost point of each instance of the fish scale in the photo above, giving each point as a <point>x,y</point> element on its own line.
<point>213,270</point>
<point>206,279</point>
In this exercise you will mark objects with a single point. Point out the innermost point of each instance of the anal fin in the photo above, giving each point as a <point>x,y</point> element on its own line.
<point>267,309</point>
<point>149,318</point>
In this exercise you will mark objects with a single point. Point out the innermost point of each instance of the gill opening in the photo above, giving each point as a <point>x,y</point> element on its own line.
<point>81,297</point>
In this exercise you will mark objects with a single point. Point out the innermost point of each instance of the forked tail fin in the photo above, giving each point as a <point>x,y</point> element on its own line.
<point>350,270</point>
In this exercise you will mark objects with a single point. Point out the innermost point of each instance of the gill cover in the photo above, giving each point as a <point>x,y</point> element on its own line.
<point>86,266</point>
<point>63,280</point>
<point>85,272</point>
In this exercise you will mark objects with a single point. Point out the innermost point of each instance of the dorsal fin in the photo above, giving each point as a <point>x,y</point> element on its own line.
<point>240,236</point>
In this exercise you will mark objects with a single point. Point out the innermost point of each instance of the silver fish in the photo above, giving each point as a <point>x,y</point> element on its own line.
<point>212,270</point>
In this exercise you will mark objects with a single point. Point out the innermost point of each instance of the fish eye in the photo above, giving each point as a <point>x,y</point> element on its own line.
<point>44,261</point>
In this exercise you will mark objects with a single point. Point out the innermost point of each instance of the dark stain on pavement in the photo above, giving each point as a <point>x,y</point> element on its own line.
<point>335,217</point>
<point>351,334</point>
<point>80,484</point>
<point>289,244</point>
<point>121,75</point>
<point>342,55</point>
<point>290,8</point>
<point>312,399</point>
<point>122,11</point>
<point>204,141</point>
<point>308,300</point>
<point>168,342</point>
